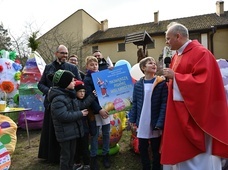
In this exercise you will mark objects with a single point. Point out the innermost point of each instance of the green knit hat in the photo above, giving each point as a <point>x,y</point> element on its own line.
<point>62,78</point>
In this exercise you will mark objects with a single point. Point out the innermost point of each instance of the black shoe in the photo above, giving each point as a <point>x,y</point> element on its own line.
<point>86,167</point>
<point>93,163</point>
<point>106,161</point>
<point>77,167</point>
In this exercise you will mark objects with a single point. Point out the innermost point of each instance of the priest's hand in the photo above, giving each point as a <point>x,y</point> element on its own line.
<point>168,73</point>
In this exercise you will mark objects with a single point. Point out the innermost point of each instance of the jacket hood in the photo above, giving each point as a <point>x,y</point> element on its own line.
<point>53,92</point>
<point>159,79</point>
<point>56,91</point>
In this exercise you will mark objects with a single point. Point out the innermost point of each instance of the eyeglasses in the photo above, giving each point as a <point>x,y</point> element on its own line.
<point>73,60</point>
<point>63,53</point>
<point>97,55</point>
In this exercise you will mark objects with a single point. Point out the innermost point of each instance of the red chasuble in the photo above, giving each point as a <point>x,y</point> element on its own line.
<point>204,109</point>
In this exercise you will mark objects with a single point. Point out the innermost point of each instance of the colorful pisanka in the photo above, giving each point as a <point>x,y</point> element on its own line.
<point>116,131</point>
<point>29,94</point>
<point>8,130</point>
<point>5,160</point>
<point>8,140</point>
<point>9,77</point>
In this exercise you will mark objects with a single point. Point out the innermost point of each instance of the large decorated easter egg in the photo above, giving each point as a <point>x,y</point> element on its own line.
<point>116,130</point>
<point>5,160</point>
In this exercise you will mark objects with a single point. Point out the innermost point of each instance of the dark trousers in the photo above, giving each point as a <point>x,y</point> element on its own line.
<point>144,153</point>
<point>82,150</point>
<point>67,153</point>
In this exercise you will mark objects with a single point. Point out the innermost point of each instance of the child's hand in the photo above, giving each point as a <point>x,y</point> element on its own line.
<point>104,114</point>
<point>110,67</point>
<point>85,112</point>
<point>94,93</point>
<point>133,125</point>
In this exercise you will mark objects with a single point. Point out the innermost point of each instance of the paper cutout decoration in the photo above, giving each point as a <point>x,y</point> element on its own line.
<point>9,78</point>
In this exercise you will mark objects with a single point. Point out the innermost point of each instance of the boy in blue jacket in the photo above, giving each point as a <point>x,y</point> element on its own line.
<point>148,112</point>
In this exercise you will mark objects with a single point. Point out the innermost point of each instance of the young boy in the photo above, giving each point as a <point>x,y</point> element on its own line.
<point>82,149</point>
<point>101,116</point>
<point>148,112</point>
<point>66,115</point>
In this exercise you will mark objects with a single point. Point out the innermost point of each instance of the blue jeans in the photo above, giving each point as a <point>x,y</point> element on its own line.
<point>105,141</point>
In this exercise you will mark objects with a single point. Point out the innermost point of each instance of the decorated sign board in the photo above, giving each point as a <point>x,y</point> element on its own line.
<point>114,88</point>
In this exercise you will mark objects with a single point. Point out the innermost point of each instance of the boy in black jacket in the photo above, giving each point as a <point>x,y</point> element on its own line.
<point>67,113</point>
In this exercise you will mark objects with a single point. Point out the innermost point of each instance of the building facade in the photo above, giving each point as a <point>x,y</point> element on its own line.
<point>83,34</point>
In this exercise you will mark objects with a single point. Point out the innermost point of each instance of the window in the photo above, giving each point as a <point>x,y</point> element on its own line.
<point>194,36</point>
<point>151,45</point>
<point>94,48</point>
<point>121,47</point>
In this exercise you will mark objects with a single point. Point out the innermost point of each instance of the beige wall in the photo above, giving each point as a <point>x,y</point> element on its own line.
<point>81,25</point>
<point>70,32</point>
<point>73,25</point>
<point>89,25</point>
<point>221,44</point>
<point>111,49</point>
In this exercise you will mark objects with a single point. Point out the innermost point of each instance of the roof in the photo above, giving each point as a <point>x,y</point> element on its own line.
<point>139,38</point>
<point>200,23</point>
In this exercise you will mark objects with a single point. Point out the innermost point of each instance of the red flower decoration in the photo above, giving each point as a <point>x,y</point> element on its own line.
<point>1,68</point>
<point>7,86</point>
<point>17,61</point>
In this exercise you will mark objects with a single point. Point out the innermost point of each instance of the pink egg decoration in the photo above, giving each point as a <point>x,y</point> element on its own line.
<point>119,104</point>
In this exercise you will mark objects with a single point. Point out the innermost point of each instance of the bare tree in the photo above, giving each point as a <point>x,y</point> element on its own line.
<point>5,40</point>
<point>46,44</point>
<point>55,37</point>
<point>20,43</point>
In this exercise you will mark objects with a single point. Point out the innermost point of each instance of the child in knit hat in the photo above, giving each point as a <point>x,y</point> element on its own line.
<point>82,154</point>
<point>67,113</point>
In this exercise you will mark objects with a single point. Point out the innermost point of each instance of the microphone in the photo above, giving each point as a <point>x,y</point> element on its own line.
<point>167,61</point>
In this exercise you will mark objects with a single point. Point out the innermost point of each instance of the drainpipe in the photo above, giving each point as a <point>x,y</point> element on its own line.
<point>212,38</point>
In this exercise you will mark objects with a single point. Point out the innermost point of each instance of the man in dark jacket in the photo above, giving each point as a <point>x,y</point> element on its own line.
<point>73,59</point>
<point>49,148</point>
<point>101,61</point>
